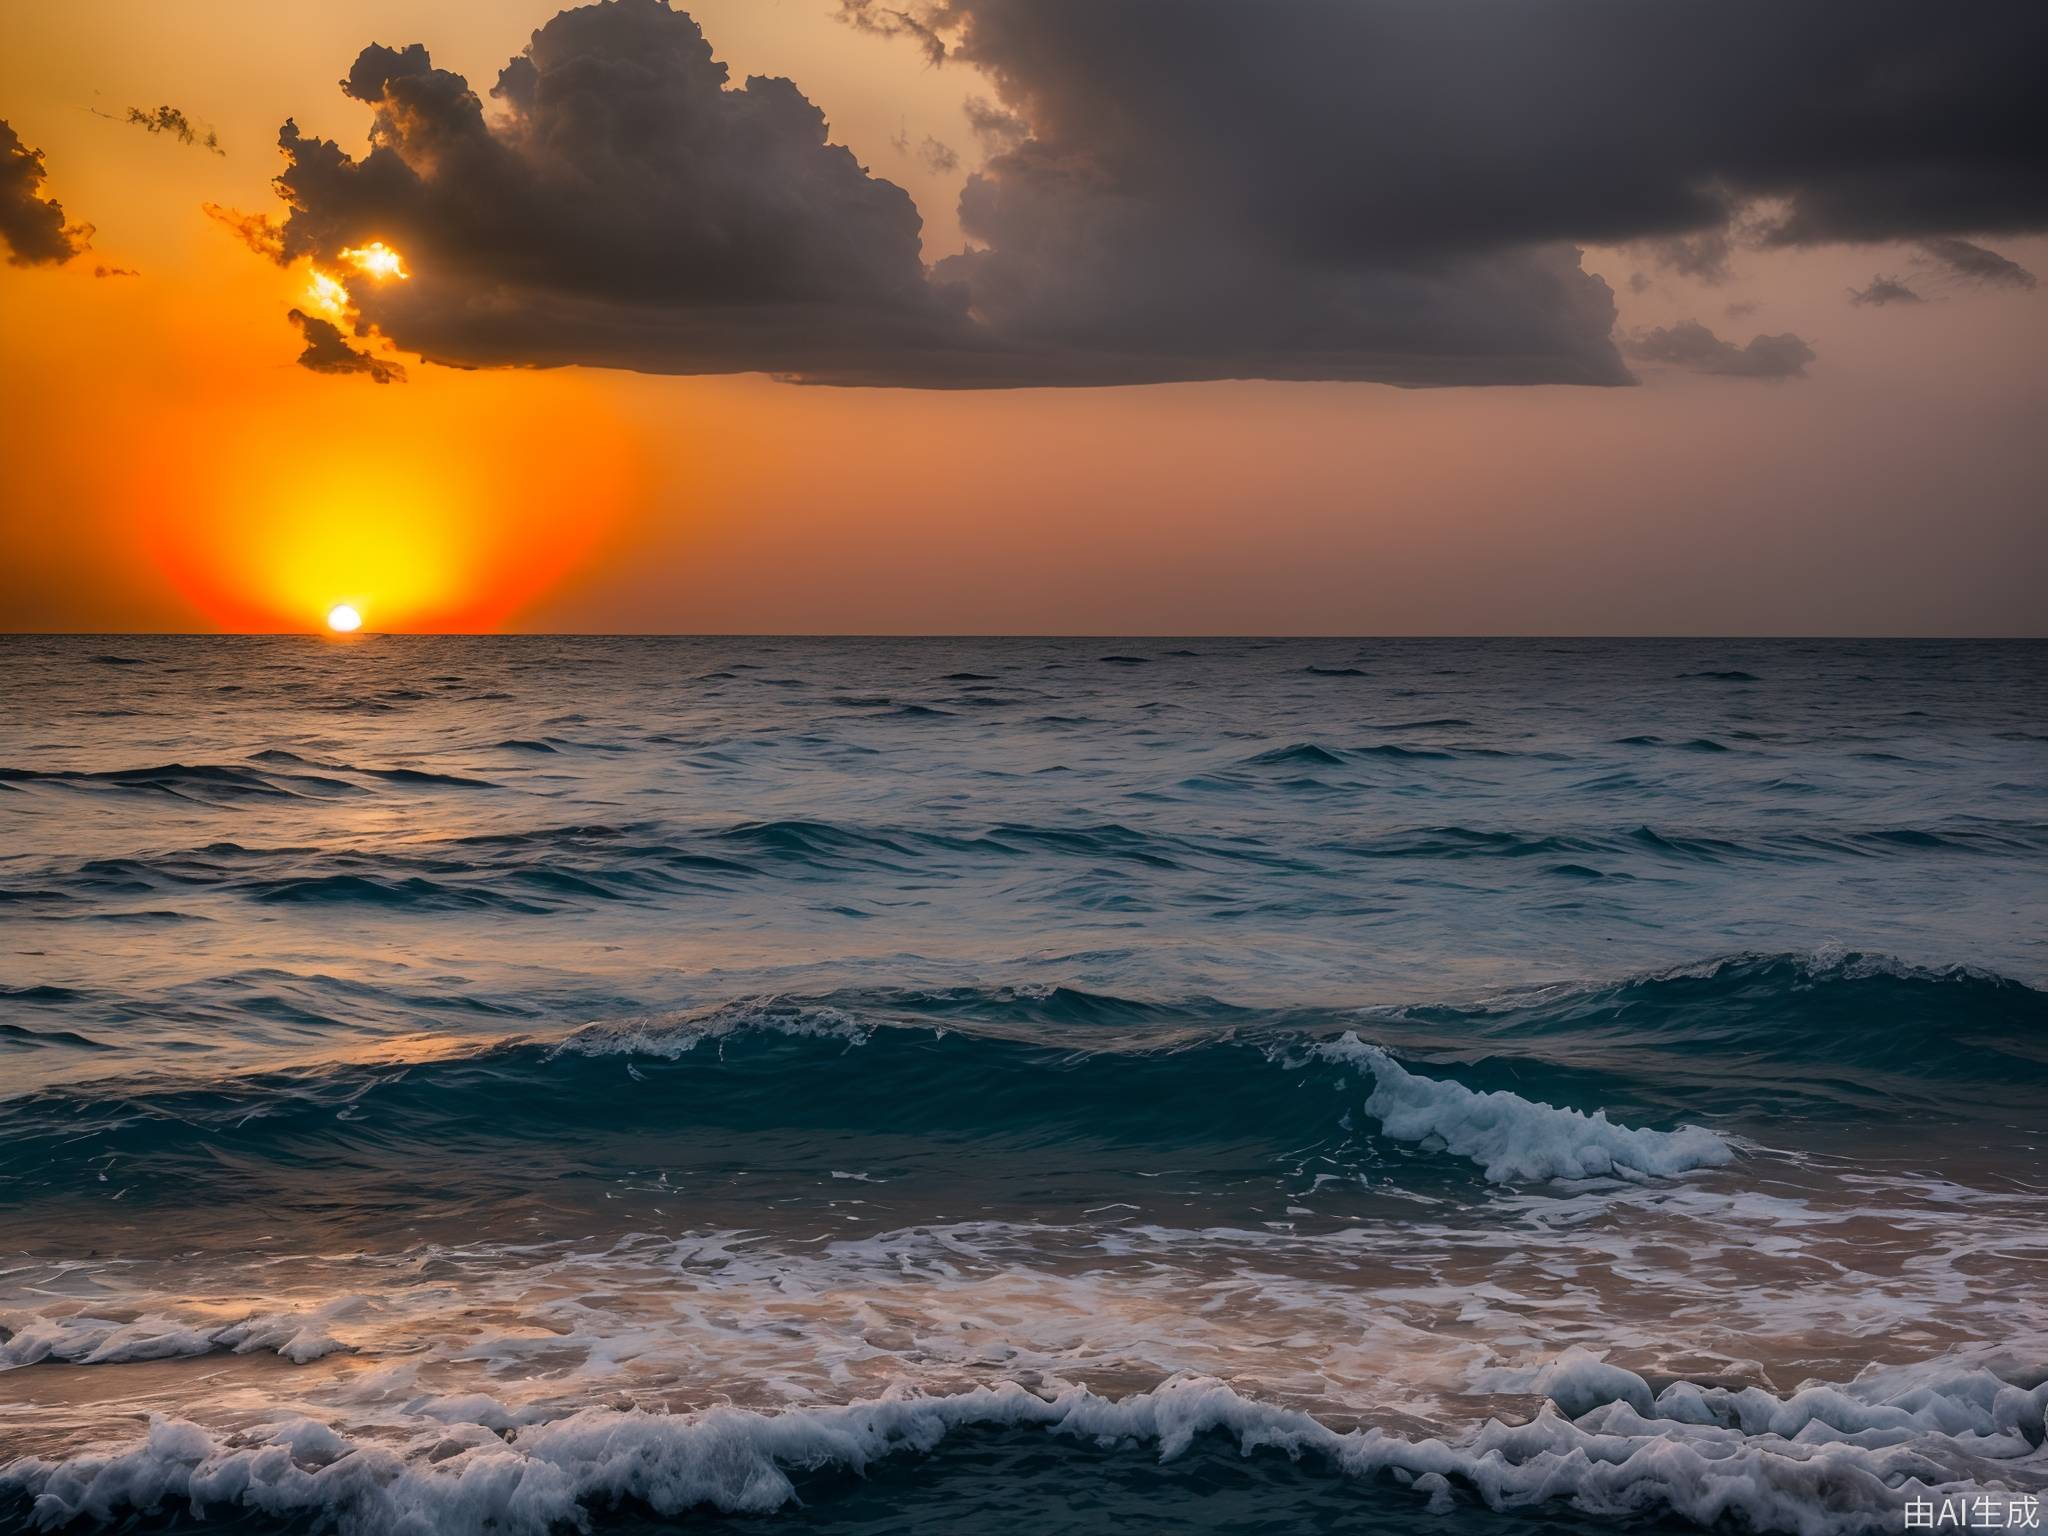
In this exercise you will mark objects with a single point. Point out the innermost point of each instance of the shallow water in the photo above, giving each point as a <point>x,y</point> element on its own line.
<point>459,1084</point>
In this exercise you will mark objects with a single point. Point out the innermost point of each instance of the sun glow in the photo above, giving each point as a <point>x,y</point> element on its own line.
<point>428,502</point>
<point>376,260</point>
<point>343,619</point>
<point>327,295</point>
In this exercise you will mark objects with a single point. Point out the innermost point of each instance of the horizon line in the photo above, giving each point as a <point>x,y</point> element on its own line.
<point>327,638</point>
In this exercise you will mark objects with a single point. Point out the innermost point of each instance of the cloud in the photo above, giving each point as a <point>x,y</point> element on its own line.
<point>1703,256</point>
<point>996,127</point>
<point>170,120</point>
<point>1384,124</point>
<point>328,351</point>
<point>934,154</point>
<point>32,226</point>
<point>890,21</point>
<point>1691,346</point>
<point>1974,262</point>
<point>103,270</point>
<point>631,208</point>
<point>258,231</point>
<point>1882,291</point>
<point>1202,189</point>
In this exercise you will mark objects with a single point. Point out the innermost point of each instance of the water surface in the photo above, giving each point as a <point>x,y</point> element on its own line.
<point>464,1084</point>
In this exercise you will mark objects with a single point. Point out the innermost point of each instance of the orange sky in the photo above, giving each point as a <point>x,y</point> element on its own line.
<point>168,467</point>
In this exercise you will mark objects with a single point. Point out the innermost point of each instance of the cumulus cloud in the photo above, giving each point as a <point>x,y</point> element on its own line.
<point>32,226</point>
<point>328,351</point>
<point>1882,291</point>
<point>1978,265</point>
<point>1691,346</point>
<point>1329,189</point>
<point>629,209</point>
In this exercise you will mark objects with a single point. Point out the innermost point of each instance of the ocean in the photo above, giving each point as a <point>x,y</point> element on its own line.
<point>517,1085</point>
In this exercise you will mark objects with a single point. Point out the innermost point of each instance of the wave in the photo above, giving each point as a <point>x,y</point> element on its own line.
<point>1844,1029</point>
<point>1301,754</point>
<point>1513,1139</point>
<point>923,1081</point>
<point>1468,843</point>
<point>472,1465</point>
<point>189,781</point>
<point>1654,1076</point>
<point>426,776</point>
<point>282,776</point>
<point>1696,744</point>
<point>1403,754</point>
<point>546,868</point>
<point>20,1037</point>
<point>414,892</point>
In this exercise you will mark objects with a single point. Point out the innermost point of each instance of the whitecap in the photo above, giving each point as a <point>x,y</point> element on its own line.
<point>1513,1138</point>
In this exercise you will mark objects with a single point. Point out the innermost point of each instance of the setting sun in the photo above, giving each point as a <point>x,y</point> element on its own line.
<point>343,619</point>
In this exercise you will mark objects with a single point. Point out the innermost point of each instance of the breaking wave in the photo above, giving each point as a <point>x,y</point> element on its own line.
<point>1829,1459</point>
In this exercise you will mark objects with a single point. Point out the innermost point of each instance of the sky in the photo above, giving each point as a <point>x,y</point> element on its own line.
<point>1024,316</point>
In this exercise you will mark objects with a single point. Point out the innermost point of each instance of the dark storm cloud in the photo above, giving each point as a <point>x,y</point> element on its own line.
<point>634,210</point>
<point>328,351</point>
<point>1976,263</point>
<point>1385,190</point>
<point>1882,291</point>
<point>1691,346</point>
<point>32,226</point>
<point>1343,125</point>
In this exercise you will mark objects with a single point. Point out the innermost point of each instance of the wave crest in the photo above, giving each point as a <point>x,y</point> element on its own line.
<point>1514,1139</point>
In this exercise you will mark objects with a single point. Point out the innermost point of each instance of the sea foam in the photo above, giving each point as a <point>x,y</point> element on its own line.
<point>1946,1427</point>
<point>84,1339</point>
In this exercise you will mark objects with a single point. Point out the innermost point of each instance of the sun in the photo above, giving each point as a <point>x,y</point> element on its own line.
<point>343,619</point>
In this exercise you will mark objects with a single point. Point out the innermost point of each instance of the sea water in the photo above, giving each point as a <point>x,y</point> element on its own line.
<point>463,1085</point>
